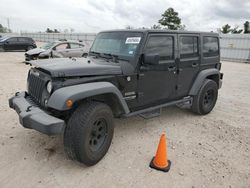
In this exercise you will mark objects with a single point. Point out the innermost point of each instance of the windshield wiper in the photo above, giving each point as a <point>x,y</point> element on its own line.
<point>96,54</point>
<point>115,58</point>
<point>107,56</point>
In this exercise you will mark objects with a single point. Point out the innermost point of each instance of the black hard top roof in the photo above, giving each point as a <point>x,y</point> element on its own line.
<point>161,31</point>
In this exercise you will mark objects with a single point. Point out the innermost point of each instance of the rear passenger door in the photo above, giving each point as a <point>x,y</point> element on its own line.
<point>22,43</point>
<point>189,62</point>
<point>76,50</point>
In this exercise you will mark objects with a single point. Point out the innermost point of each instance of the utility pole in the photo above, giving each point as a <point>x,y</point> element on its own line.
<point>8,23</point>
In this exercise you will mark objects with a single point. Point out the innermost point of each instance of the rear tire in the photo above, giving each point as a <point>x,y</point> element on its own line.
<point>89,132</point>
<point>205,100</point>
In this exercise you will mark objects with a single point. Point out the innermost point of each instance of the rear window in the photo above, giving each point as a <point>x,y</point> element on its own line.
<point>210,46</point>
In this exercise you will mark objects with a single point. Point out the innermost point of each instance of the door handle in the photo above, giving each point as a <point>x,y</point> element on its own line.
<point>195,65</point>
<point>171,68</point>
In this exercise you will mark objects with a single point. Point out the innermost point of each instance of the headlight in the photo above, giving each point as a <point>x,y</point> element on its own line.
<point>49,86</point>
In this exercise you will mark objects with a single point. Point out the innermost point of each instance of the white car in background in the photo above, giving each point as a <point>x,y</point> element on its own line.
<point>58,49</point>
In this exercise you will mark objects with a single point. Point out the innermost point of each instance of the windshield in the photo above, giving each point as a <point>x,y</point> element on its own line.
<point>3,38</point>
<point>48,45</point>
<point>122,44</point>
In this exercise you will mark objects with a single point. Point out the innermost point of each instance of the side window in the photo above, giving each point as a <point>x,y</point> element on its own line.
<point>161,45</point>
<point>62,46</point>
<point>22,39</point>
<point>188,46</point>
<point>210,46</point>
<point>12,40</point>
<point>75,45</point>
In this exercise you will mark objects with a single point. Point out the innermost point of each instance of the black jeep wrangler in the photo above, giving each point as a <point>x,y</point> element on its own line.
<point>127,73</point>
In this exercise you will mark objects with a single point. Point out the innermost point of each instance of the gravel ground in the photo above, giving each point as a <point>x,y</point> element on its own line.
<point>206,151</point>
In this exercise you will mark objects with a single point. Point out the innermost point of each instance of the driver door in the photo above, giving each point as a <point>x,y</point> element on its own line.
<point>157,82</point>
<point>11,44</point>
<point>61,50</point>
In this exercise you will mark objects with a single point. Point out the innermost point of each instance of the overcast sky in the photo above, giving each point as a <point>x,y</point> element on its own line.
<point>97,15</point>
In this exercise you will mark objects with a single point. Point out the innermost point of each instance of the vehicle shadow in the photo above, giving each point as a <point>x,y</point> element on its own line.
<point>50,148</point>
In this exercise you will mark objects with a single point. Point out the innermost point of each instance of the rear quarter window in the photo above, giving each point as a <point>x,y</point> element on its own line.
<point>210,46</point>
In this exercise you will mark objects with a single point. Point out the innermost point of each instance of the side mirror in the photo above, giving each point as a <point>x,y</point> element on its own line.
<point>151,59</point>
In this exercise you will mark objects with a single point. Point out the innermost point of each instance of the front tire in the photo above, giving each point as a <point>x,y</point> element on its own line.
<point>89,132</point>
<point>85,55</point>
<point>205,100</point>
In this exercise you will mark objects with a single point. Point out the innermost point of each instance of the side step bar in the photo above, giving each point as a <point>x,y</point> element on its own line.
<point>181,101</point>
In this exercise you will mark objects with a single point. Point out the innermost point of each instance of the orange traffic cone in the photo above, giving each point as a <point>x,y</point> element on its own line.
<point>160,161</point>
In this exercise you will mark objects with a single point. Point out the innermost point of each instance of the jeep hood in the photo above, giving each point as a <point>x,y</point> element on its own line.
<point>61,67</point>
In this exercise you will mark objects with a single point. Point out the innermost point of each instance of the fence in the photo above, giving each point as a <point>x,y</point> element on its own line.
<point>235,47</point>
<point>9,34</point>
<point>87,38</point>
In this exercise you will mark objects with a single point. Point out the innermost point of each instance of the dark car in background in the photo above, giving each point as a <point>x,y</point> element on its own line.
<point>16,43</point>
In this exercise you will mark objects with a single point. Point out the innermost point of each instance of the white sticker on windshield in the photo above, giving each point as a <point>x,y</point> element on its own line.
<point>133,40</point>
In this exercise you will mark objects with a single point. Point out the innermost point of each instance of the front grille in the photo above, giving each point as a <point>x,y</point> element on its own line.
<point>36,87</point>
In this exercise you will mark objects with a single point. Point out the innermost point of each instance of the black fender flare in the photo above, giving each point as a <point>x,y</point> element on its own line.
<point>82,91</point>
<point>200,79</point>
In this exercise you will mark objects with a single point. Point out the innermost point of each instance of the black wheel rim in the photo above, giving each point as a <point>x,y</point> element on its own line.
<point>98,134</point>
<point>208,98</point>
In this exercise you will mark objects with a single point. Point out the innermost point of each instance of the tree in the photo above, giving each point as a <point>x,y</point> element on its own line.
<point>246,27</point>
<point>226,29</point>
<point>129,27</point>
<point>72,30</point>
<point>4,29</point>
<point>170,19</point>
<point>182,27</point>
<point>56,31</point>
<point>156,26</point>
<point>48,30</point>
<point>235,30</point>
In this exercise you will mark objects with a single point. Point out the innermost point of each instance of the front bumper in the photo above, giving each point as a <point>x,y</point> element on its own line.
<point>32,117</point>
